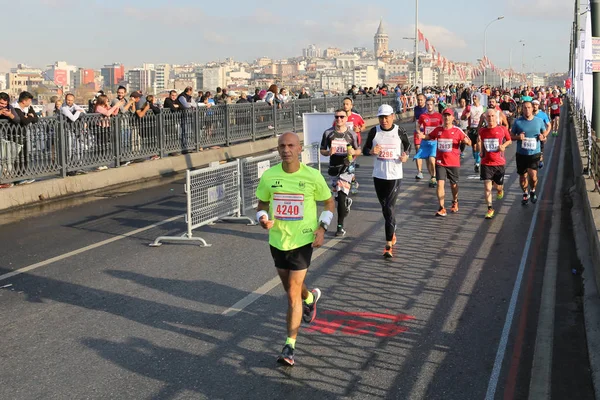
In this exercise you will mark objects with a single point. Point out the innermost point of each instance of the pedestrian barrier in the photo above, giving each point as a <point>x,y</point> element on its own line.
<point>212,193</point>
<point>226,192</point>
<point>57,147</point>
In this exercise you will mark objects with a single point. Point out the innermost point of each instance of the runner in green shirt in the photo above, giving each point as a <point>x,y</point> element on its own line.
<point>287,207</point>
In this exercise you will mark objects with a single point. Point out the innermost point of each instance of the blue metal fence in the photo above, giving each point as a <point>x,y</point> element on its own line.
<point>57,147</point>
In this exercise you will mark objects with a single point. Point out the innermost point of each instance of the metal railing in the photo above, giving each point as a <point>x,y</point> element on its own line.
<point>57,147</point>
<point>590,145</point>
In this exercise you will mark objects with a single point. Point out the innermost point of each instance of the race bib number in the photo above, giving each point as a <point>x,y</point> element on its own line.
<point>529,144</point>
<point>491,145</point>
<point>288,207</point>
<point>340,146</point>
<point>350,125</point>
<point>444,145</point>
<point>388,152</point>
<point>555,106</point>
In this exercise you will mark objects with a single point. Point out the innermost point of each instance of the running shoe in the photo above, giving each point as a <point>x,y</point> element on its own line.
<point>419,175</point>
<point>348,204</point>
<point>287,356</point>
<point>340,231</point>
<point>533,197</point>
<point>554,133</point>
<point>441,212</point>
<point>387,252</point>
<point>541,164</point>
<point>489,214</point>
<point>309,311</point>
<point>394,239</point>
<point>500,195</point>
<point>525,198</point>
<point>476,168</point>
<point>432,182</point>
<point>454,207</point>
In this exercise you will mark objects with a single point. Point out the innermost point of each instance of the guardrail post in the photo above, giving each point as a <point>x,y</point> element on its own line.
<point>274,118</point>
<point>62,147</point>
<point>253,122</point>
<point>325,107</point>
<point>196,112</point>
<point>161,134</point>
<point>310,104</point>
<point>227,126</point>
<point>294,110</point>
<point>117,132</point>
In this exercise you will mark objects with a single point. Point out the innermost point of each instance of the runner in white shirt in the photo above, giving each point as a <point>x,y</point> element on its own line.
<point>390,144</point>
<point>461,121</point>
<point>474,113</point>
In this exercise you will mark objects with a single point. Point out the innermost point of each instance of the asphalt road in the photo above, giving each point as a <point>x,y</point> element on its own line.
<point>122,320</point>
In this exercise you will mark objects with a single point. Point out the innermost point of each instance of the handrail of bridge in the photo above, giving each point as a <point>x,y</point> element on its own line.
<point>591,145</point>
<point>57,147</point>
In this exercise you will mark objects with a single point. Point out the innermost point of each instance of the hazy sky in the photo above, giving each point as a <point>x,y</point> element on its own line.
<point>91,33</point>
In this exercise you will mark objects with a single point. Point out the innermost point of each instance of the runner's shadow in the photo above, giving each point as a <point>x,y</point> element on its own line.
<point>179,371</point>
<point>197,290</point>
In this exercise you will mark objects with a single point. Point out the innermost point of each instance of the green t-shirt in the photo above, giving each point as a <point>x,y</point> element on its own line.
<point>293,204</point>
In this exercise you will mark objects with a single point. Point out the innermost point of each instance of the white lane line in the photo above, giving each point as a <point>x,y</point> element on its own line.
<point>510,314</point>
<point>84,249</point>
<point>541,370</point>
<point>273,283</point>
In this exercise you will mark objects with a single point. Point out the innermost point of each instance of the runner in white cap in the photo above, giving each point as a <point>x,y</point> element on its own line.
<point>390,144</point>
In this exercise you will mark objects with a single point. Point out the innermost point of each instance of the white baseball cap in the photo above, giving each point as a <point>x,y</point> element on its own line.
<point>384,110</point>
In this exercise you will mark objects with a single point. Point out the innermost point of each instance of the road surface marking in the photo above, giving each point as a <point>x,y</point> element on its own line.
<point>84,249</point>
<point>510,313</point>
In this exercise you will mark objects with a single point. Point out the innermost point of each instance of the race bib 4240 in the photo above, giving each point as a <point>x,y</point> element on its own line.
<point>288,207</point>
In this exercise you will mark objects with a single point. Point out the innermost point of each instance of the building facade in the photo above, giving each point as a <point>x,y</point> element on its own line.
<point>381,41</point>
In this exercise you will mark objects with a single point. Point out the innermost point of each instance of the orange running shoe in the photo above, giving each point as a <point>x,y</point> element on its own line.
<point>454,207</point>
<point>441,212</point>
<point>387,252</point>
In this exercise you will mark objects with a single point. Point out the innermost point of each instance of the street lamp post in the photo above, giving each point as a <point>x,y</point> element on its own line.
<point>485,45</point>
<point>416,43</point>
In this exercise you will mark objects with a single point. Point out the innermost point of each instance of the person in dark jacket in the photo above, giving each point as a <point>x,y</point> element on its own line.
<point>27,115</point>
<point>171,102</point>
<point>7,113</point>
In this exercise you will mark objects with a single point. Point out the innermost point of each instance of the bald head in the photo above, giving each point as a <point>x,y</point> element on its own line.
<point>289,137</point>
<point>289,148</point>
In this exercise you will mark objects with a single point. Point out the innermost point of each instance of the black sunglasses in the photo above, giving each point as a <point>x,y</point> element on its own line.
<point>340,116</point>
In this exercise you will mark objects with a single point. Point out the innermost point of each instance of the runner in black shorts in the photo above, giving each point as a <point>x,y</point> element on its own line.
<point>288,193</point>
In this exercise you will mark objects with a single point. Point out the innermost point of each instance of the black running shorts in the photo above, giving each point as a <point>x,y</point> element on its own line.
<point>293,260</point>
<point>493,173</point>
<point>554,116</point>
<point>473,135</point>
<point>525,162</point>
<point>447,173</point>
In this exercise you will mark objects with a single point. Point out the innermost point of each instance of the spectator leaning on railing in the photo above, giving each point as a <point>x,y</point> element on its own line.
<point>185,98</point>
<point>74,134</point>
<point>7,113</point>
<point>27,115</point>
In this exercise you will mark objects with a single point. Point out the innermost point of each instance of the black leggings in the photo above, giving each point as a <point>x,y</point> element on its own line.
<point>341,207</point>
<point>387,193</point>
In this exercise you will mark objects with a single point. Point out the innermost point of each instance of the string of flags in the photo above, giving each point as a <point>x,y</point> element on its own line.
<point>466,70</point>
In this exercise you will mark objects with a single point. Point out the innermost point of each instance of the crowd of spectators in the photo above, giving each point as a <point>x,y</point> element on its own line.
<point>29,144</point>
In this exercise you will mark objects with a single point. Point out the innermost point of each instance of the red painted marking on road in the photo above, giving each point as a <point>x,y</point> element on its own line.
<point>397,317</point>
<point>511,379</point>
<point>358,327</point>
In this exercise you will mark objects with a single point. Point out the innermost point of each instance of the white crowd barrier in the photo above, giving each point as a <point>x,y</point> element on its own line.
<point>226,192</point>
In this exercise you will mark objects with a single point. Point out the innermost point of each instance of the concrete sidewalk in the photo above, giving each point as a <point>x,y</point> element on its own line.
<point>586,226</point>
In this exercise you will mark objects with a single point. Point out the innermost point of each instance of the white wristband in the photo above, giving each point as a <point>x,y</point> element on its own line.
<point>260,214</point>
<point>326,217</point>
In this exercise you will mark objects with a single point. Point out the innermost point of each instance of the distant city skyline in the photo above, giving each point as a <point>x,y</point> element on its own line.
<point>158,32</point>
